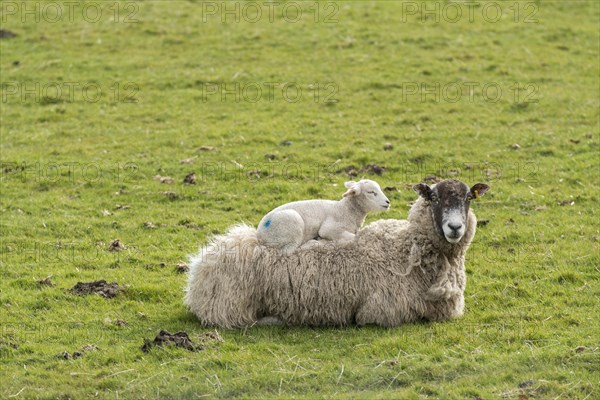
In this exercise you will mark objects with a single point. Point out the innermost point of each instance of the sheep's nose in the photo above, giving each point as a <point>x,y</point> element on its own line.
<point>454,225</point>
<point>387,202</point>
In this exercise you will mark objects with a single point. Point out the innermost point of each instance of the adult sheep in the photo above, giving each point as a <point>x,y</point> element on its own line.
<point>395,271</point>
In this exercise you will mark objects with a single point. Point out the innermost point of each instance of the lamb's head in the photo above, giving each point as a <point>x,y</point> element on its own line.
<point>450,201</point>
<point>368,194</point>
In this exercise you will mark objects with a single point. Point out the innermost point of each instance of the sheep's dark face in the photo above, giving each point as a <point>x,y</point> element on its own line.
<point>450,201</point>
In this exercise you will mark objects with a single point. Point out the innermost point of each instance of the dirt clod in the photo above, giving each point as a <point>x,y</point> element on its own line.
<point>46,282</point>
<point>370,169</point>
<point>388,146</point>
<point>187,160</point>
<point>579,349</point>
<point>89,347</point>
<point>566,203</point>
<point>256,173</point>
<point>483,222</point>
<point>149,225</point>
<point>206,148</point>
<point>170,195</point>
<point>525,384</point>
<point>515,146</point>
<point>286,143</point>
<point>214,335</point>
<point>65,355</point>
<point>116,245</point>
<point>373,169</point>
<point>6,343</point>
<point>6,34</point>
<point>190,179</point>
<point>431,179</point>
<point>164,338</point>
<point>391,189</point>
<point>350,170</point>
<point>164,179</point>
<point>189,224</point>
<point>101,287</point>
<point>182,268</point>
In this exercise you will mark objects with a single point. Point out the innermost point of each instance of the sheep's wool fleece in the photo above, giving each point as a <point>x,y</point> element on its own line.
<point>395,271</point>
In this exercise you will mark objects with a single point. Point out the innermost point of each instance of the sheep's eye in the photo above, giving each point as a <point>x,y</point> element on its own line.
<point>373,193</point>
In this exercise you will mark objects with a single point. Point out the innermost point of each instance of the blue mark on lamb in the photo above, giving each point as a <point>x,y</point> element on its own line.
<point>267,223</point>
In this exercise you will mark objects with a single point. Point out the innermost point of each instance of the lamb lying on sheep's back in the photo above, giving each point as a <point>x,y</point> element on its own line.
<point>299,224</point>
<point>395,271</point>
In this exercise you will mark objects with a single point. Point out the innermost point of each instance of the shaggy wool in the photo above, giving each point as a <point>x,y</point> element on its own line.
<point>396,271</point>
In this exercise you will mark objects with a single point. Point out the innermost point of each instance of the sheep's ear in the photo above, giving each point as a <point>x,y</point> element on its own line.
<point>353,189</point>
<point>424,191</point>
<point>479,190</point>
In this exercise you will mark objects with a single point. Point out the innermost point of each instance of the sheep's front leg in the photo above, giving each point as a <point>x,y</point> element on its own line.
<point>270,320</point>
<point>345,237</point>
<point>446,285</point>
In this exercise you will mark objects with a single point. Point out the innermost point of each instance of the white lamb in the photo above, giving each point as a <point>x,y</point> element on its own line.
<point>302,223</point>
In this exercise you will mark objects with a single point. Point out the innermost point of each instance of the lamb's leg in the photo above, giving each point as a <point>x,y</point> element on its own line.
<point>332,232</point>
<point>346,238</point>
<point>322,245</point>
<point>310,244</point>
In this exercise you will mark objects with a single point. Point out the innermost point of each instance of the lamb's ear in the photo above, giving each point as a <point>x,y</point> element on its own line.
<point>423,190</point>
<point>478,190</point>
<point>353,189</point>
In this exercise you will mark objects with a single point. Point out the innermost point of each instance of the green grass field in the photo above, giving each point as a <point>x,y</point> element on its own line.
<point>100,100</point>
